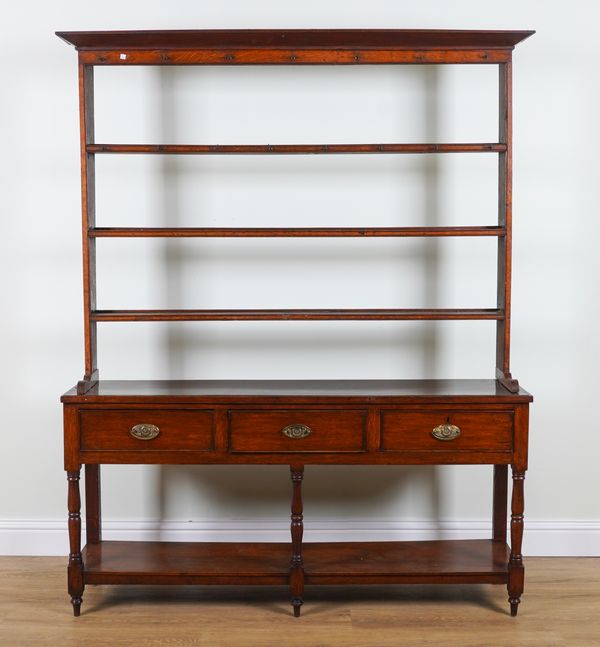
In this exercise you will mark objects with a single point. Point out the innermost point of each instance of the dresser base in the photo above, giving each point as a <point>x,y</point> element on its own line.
<point>297,423</point>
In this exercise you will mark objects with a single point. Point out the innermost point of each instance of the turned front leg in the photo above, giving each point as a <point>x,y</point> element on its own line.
<point>516,570</point>
<point>75,568</point>
<point>297,529</point>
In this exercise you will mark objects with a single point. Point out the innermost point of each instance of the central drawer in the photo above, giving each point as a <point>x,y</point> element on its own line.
<point>146,429</point>
<point>297,430</point>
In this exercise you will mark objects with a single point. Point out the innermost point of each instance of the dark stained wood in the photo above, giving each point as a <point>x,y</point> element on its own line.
<point>298,39</point>
<point>450,561</point>
<point>202,457</point>
<point>297,530</point>
<point>504,274</point>
<point>499,503</point>
<point>291,149</point>
<point>93,505</point>
<point>291,232</point>
<point>75,567</point>
<point>294,57</point>
<point>403,430</point>
<point>88,212</point>
<point>163,392</point>
<point>339,422</point>
<point>364,314</point>
<point>153,562</point>
<point>516,570</point>
<point>178,429</point>
<point>260,430</point>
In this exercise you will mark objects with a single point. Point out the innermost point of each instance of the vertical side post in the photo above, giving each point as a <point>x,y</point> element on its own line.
<point>75,568</point>
<point>516,570</point>
<point>88,220</point>
<point>504,274</point>
<point>500,501</point>
<point>93,526</point>
<point>516,567</point>
<point>297,529</point>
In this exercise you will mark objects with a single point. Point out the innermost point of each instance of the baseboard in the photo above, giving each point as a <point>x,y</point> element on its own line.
<point>542,538</point>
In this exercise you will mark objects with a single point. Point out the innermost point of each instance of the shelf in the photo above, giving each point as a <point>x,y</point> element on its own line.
<point>298,315</point>
<point>291,232</point>
<point>145,562</point>
<point>450,561</point>
<point>291,149</point>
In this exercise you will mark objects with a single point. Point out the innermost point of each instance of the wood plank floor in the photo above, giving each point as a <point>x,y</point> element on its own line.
<point>561,607</point>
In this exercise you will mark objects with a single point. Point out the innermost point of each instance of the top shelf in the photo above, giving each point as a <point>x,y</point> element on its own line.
<point>296,39</point>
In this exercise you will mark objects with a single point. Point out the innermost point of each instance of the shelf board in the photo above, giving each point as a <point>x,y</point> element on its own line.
<point>291,149</point>
<point>451,561</point>
<point>153,562</point>
<point>291,232</point>
<point>365,314</point>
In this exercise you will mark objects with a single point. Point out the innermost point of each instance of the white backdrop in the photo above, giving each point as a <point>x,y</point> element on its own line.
<point>556,301</point>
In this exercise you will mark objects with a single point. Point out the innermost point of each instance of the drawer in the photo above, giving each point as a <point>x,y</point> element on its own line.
<point>177,429</point>
<point>477,430</point>
<point>298,430</point>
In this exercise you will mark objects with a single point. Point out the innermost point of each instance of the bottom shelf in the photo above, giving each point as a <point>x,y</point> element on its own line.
<point>451,561</point>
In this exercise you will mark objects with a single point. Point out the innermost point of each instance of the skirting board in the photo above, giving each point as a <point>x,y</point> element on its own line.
<point>542,538</point>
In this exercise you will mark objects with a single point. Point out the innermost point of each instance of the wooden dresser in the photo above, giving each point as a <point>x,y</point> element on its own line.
<point>297,423</point>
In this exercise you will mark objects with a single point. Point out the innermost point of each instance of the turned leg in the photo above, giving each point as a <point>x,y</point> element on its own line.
<point>516,570</point>
<point>93,527</point>
<point>500,501</point>
<point>75,568</point>
<point>297,528</point>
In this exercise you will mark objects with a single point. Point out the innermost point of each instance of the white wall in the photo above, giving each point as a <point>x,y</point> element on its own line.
<point>556,264</point>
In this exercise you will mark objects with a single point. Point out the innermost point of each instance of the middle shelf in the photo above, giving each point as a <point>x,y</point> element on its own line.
<point>406,314</point>
<point>291,232</point>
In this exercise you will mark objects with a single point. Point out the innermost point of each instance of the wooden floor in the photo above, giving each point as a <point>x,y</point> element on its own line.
<point>561,606</point>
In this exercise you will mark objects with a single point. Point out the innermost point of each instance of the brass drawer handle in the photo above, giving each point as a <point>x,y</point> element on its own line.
<point>144,431</point>
<point>446,432</point>
<point>296,431</point>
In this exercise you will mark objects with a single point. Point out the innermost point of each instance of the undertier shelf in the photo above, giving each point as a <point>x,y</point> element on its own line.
<point>450,561</point>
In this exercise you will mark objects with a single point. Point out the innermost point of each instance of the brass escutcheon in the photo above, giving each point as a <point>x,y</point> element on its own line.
<point>144,431</point>
<point>446,432</point>
<point>296,431</point>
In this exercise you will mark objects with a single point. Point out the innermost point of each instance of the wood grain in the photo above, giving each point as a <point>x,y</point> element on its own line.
<point>563,595</point>
<point>338,314</point>
<point>300,39</point>
<point>291,232</point>
<point>292,149</point>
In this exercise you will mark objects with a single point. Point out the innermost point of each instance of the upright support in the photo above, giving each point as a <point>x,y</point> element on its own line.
<point>88,220</point>
<point>75,568</point>
<point>297,529</point>
<point>516,569</point>
<point>500,501</point>
<point>505,220</point>
<point>93,525</point>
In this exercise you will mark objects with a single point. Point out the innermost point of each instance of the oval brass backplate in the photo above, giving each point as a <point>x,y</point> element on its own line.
<point>144,431</point>
<point>296,431</point>
<point>446,432</point>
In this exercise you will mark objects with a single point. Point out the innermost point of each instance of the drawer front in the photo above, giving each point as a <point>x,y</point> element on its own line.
<point>471,430</point>
<point>297,430</point>
<point>112,430</point>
